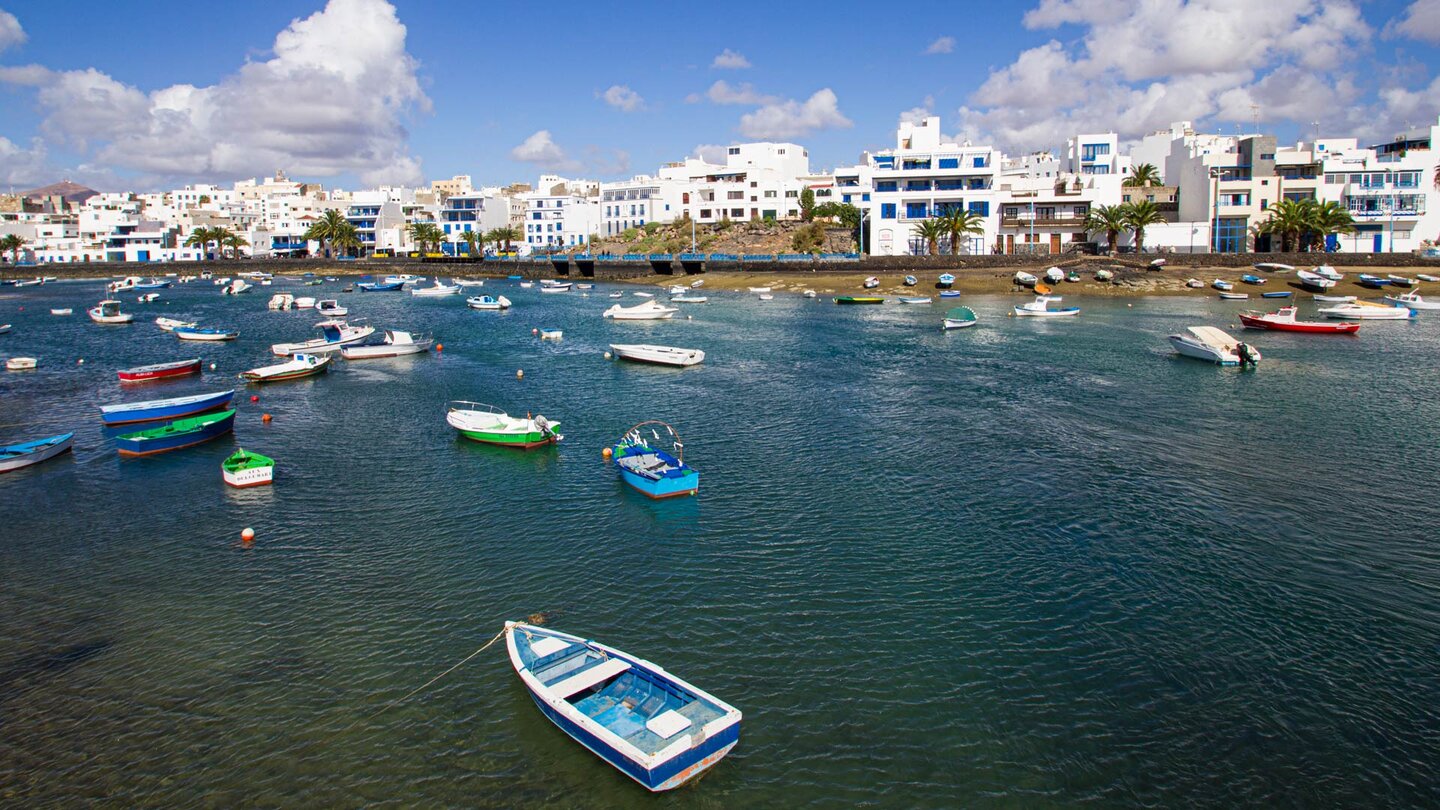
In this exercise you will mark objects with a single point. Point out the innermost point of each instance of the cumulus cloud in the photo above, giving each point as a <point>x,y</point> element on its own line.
<point>11,34</point>
<point>329,101</point>
<point>794,119</point>
<point>711,152</point>
<point>1420,21</point>
<point>722,92</point>
<point>541,150</point>
<point>623,98</point>
<point>941,45</point>
<point>730,60</point>
<point>20,166</point>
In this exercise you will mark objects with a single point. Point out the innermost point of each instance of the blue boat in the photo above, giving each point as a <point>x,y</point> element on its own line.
<point>654,472</point>
<point>514,277</point>
<point>1285,294</point>
<point>950,294</point>
<point>1252,279</point>
<point>176,435</point>
<point>945,280</point>
<point>17,456</point>
<point>156,409</point>
<point>911,281</point>
<point>379,286</point>
<point>655,728</point>
<point>1373,282</point>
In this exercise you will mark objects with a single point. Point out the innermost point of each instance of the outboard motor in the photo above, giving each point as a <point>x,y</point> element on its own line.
<point>1247,355</point>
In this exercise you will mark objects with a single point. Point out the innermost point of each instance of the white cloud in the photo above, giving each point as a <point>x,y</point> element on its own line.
<point>329,101</point>
<point>915,115</point>
<point>23,167</point>
<point>711,152</point>
<point>541,150</point>
<point>11,33</point>
<point>793,119</point>
<point>623,98</point>
<point>730,60</point>
<point>941,45</point>
<point>722,92</point>
<point>1420,21</point>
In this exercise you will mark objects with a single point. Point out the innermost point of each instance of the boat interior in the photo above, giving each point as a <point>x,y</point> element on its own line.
<point>643,708</point>
<point>651,463</point>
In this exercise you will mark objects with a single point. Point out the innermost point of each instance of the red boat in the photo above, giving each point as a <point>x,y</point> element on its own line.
<point>1283,320</point>
<point>160,371</point>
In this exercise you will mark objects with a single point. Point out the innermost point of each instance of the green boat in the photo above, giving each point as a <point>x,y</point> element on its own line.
<point>176,435</point>
<point>246,469</point>
<point>859,299</point>
<point>486,423</point>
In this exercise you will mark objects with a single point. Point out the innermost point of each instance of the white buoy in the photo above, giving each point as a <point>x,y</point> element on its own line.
<point>520,374</point>
<point>212,366</point>
<point>607,355</point>
<point>81,361</point>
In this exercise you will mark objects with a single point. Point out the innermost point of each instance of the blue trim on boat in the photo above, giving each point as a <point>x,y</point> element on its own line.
<point>157,409</point>
<point>132,444</point>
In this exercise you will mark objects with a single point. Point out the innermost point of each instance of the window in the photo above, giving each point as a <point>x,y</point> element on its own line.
<point>979,163</point>
<point>949,163</point>
<point>982,208</point>
<point>1267,155</point>
<point>1091,151</point>
<point>915,210</point>
<point>704,213</point>
<point>754,184</point>
<point>734,195</point>
<point>887,185</point>
<point>865,197</point>
<point>789,195</point>
<point>770,195</point>
<point>887,210</point>
<point>734,150</point>
<point>737,212</point>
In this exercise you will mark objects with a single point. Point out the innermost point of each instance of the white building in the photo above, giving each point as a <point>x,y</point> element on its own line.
<point>557,220</point>
<point>1389,189</point>
<point>473,211</point>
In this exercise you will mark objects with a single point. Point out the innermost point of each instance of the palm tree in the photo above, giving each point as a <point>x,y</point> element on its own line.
<point>1288,218</point>
<point>932,231</point>
<point>426,235</point>
<point>201,238</point>
<point>1143,175</point>
<point>324,230</point>
<point>1326,218</point>
<point>1139,216</point>
<point>475,243</point>
<point>506,235</point>
<point>957,222</point>
<point>235,242</point>
<point>12,242</point>
<point>348,239</point>
<point>1109,219</point>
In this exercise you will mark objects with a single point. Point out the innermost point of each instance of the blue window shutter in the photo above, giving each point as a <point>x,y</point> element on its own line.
<point>949,163</point>
<point>979,162</point>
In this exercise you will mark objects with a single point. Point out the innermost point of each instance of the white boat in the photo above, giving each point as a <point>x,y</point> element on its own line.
<point>759,289</point>
<point>1222,286</point>
<point>148,298</point>
<point>870,283</point>
<point>1333,299</point>
<point>304,302</point>
<point>21,363</point>
<point>697,284</point>
<point>334,335</point>
<point>960,318</point>
<point>1104,275</point>
<point>1025,279</point>
<point>212,335</point>
<point>688,299</point>
<point>1194,283</point>
<point>301,365</point>
<point>643,294</point>
<point>1214,346</point>
<point>766,297</point>
<point>64,311</point>
<point>1054,275</point>
<point>1326,271</point>
<point>1040,308</point>
<point>584,286</point>
<point>661,355</point>
<point>236,287</point>
<point>331,308</point>
<point>552,334</point>
<point>1412,300</point>
<point>395,344</point>
<point>1156,263</point>
<point>1313,280</point>
<point>281,301</point>
<point>169,324</point>
<point>4,327</point>
<point>438,290</point>
<point>1367,310</point>
<point>527,284</point>
<point>643,311</point>
<point>404,279</point>
<point>1234,296</point>
<point>557,287</point>
<point>124,284</point>
<point>915,299</point>
<point>617,295</point>
<point>1426,277</point>
<point>108,311</point>
<point>1273,267</point>
<point>468,282</point>
<point>677,289</point>
<point>809,294</point>
<point>487,302</point>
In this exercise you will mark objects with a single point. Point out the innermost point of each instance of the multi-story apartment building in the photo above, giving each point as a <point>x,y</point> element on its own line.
<point>1043,208</point>
<point>463,213</point>
<point>1389,189</point>
<point>1095,153</point>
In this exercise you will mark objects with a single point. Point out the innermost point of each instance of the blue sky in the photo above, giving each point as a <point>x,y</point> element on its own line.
<point>349,92</point>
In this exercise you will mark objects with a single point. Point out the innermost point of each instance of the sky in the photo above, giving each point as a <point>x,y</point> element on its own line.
<point>349,93</point>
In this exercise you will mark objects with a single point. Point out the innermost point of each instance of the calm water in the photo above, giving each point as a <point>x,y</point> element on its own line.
<point>1026,564</point>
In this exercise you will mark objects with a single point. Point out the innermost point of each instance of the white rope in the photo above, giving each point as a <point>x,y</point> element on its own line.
<point>428,683</point>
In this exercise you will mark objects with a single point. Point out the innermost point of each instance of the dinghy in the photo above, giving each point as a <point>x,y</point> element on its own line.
<point>1284,320</point>
<point>1400,281</point>
<point>758,289</point>
<point>911,281</point>
<point>1373,282</point>
<point>1025,279</point>
<point>1104,275</point>
<point>487,302</point>
<point>914,299</point>
<point>177,435</point>
<point>1273,267</point>
<point>1222,286</point>
<point>17,456</point>
<point>1425,277</point>
<point>1234,296</point>
<point>1333,299</point>
<point>395,344</point>
<point>870,283</point>
<point>437,290</point>
<point>194,333</point>
<point>1277,294</point>
<point>688,299</point>
<point>1314,281</point>
<point>379,286</point>
<point>661,355</point>
<point>644,311</point>
<point>1214,346</point>
<point>244,469</point>
<point>552,334</point>
<point>859,299</point>
<point>960,318</point>
<point>945,281</point>
<point>1194,283</point>
<point>21,364</point>
<point>652,726</point>
<point>330,308</point>
<point>1326,271</point>
<point>62,311</point>
<point>488,424</point>
<point>1054,275</point>
<point>156,409</point>
<point>299,366</point>
<point>949,293</point>
<point>171,324</point>
<point>654,472</point>
<point>334,335</point>
<point>1252,279</point>
<point>160,371</point>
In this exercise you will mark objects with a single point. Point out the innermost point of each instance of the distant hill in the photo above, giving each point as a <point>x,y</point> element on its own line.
<point>72,192</point>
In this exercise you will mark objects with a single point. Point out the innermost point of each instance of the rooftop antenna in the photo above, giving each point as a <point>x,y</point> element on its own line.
<point>1255,115</point>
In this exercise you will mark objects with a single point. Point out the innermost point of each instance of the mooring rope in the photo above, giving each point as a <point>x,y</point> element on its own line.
<point>392,704</point>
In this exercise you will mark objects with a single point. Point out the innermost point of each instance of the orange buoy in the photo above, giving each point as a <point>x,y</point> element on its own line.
<point>254,398</point>
<point>247,534</point>
<point>266,418</point>
<point>607,453</point>
<point>439,347</point>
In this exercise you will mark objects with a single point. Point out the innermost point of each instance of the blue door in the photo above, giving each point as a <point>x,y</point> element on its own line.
<point>1379,242</point>
<point>143,255</point>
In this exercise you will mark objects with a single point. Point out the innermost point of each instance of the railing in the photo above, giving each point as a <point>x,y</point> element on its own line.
<point>1042,222</point>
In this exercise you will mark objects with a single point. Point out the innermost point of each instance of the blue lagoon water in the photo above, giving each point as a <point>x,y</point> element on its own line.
<point>1026,564</point>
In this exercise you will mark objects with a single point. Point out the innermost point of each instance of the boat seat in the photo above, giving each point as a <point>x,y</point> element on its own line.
<point>667,724</point>
<point>547,645</point>
<point>591,676</point>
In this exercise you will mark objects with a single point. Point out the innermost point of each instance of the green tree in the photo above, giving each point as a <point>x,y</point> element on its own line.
<point>959,222</point>
<point>201,238</point>
<point>1288,219</point>
<point>1328,218</point>
<point>1109,220</point>
<point>234,241</point>
<point>474,243</point>
<point>1139,216</point>
<point>204,199</point>
<point>348,240</point>
<point>505,235</point>
<point>426,235</point>
<point>807,205</point>
<point>1143,175</point>
<point>808,238</point>
<point>932,231</point>
<point>13,243</point>
<point>324,230</point>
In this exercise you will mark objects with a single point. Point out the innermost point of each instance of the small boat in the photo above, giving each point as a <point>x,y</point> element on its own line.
<point>488,424</point>
<point>654,727</point>
<point>1284,320</point>
<point>949,293</point>
<point>403,279</point>
<point>1400,281</point>
<point>1054,275</point>
<point>487,302</point>
<point>1156,264</point>
<point>1373,282</point>
<point>759,289</point>
<point>123,285</point>
<point>654,472</point>
<point>911,281</point>
<point>1194,283</point>
<point>1072,277</point>
<point>171,324</point>
<point>617,295</point>
<point>960,318</point>
<point>1425,277</point>
<point>688,299</point>
<point>1411,300</point>
<point>466,282</point>
<point>196,333</point>
<point>148,298</point>
<point>16,456</point>
<point>311,283</point>
<point>4,327</point>
<point>437,290</point>
<point>177,435</point>
<point>639,294</point>
<point>588,287</point>
<point>1277,294</point>
<point>1214,346</point>
<point>299,366</point>
<point>394,344</point>
<point>859,299</point>
<point>697,284</point>
<point>1025,279</point>
<point>1104,275</point>
<point>1040,308</point>
<point>527,284</point>
<point>870,283</point>
<point>915,299</point>
<point>1222,286</point>
<point>644,311</point>
<point>1314,281</point>
<point>1326,271</point>
<point>660,355</point>
<point>21,363</point>
<point>676,289</point>
<point>157,409</point>
<point>564,287</point>
<point>552,334</point>
<point>945,281</point>
<point>766,297</point>
<point>304,302</point>
<point>1252,279</point>
<point>160,371</point>
<point>245,469</point>
<point>63,311</point>
<point>1041,288</point>
<point>330,308</point>
<point>1272,267</point>
<point>1367,310</point>
<point>237,287</point>
<point>809,294</point>
<point>379,286</point>
<point>333,336</point>
<point>108,312</point>
<point>1333,299</point>
<point>281,301</point>
<point>1234,296</point>
<point>514,277</point>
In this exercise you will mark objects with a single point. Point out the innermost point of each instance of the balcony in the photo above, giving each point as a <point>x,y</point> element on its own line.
<point>1066,222</point>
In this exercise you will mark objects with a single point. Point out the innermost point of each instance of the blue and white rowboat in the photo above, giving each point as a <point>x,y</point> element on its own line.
<point>657,729</point>
<point>17,456</point>
<point>650,470</point>
<point>157,409</point>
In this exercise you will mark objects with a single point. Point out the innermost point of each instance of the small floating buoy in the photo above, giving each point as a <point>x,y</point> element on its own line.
<point>247,534</point>
<point>606,453</point>
<point>607,355</point>
<point>212,366</point>
<point>80,362</point>
<point>519,373</point>
<point>254,398</point>
<point>534,331</point>
<point>266,418</point>
<point>689,317</point>
<point>439,347</point>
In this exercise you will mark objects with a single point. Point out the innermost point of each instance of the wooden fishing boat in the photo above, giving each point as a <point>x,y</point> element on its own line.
<point>334,335</point>
<point>1333,299</point>
<point>176,435</point>
<point>1277,294</point>
<point>870,283</point>
<point>644,311</point>
<point>654,472</point>
<point>661,355</point>
<point>1234,296</point>
<point>1214,346</point>
<point>487,302</point>
<point>1252,279</point>
<point>437,290</point>
<point>652,726</point>
<point>1025,279</point>
<point>1054,275</point>
<point>911,281</point>
<point>244,469</point>
<point>1222,286</point>
<point>689,299</point>
<point>156,409</point>
<point>1314,281</point>
<point>1284,320</point>
<point>1273,267</point>
<point>171,324</point>
<point>17,456</point>
<point>160,371</point>
<point>960,318</point>
<point>915,299</point>
<point>488,424</point>
<point>21,363</point>
<point>395,344</point>
<point>945,281</point>
<point>1373,282</point>
<point>300,366</point>
<point>210,335</point>
<point>1040,308</point>
<point>379,286</point>
<point>1400,281</point>
<point>859,299</point>
<point>108,312</point>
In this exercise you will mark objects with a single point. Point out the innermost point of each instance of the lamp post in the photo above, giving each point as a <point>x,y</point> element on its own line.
<point>1215,227</point>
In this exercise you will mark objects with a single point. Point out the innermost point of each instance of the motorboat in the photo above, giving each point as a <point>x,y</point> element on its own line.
<point>1025,279</point>
<point>1040,308</point>
<point>281,301</point>
<point>403,278</point>
<point>677,289</point>
<point>394,344</point>
<point>488,424</point>
<point>171,324</point>
<point>334,334</point>
<point>160,371</point>
<point>299,365</point>
<point>1234,296</point>
<point>1326,271</point>
<point>21,363</point>
<point>871,283</point>
<point>1284,320</point>
<point>148,298</point>
<point>124,285</point>
<point>527,284</point>
<point>487,302</point>
<point>960,318</point>
<point>1054,275</point>
<point>18,456</point>
<point>1222,286</point>
<point>108,312</point>
<point>304,302</point>
<point>1411,300</point>
<point>237,287</point>
<point>687,298</point>
<point>468,282</point>
<point>1214,346</point>
<point>62,311</point>
<point>556,286</point>
<point>1367,310</point>
<point>587,286</point>
<point>330,308</point>
<point>212,335</point>
<point>435,291</point>
<point>660,355</point>
<point>1194,283</point>
<point>1314,281</point>
<point>643,311</point>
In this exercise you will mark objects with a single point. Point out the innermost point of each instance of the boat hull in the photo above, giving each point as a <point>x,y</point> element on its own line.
<point>521,441</point>
<point>1199,352</point>
<point>133,446</point>
<point>165,409</point>
<point>852,300</point>
<point>1252,322</point>
<point>244,478</point>
<point>160,371</point>
<point>32,453</point>
<point>660,489</point>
